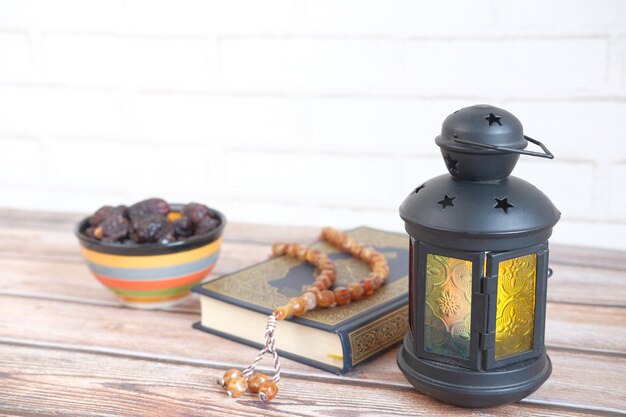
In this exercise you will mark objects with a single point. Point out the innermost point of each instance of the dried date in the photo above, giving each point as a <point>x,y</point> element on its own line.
<point>183,227</point>
<point>196,212</point>
<point>106,212</point>
<point>147,207</point>
<point>150,221</point>
<point>114,228</point>
<point>206,225</point>
<point>149,229</point>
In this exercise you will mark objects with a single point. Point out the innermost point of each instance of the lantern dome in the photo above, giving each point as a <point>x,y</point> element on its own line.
<point>500,215</point>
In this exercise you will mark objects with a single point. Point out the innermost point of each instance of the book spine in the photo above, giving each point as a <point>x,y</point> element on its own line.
<point>374,337</point>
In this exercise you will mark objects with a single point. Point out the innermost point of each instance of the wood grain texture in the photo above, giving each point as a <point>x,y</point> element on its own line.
<point>49,381</point>
<point>157,334</point>
<point>67,346</point>
<point>568,326</point>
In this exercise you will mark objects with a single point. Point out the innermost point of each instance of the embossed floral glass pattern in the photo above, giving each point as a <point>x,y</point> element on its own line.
<point>448,312</point>
<point>515,313</point>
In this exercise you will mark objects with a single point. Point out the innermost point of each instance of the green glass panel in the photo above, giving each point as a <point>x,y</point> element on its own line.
<point>515,312</point>
<point>448,312</point>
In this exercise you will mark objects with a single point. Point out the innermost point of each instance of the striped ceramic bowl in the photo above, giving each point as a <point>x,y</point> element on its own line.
<point>152,275</point>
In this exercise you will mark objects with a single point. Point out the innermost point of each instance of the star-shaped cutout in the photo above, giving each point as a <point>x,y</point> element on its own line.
<point>492,118</point>
<point>417,190</point>
<point>450,163</point>
<point>503,204</point>
<point>446,202</point>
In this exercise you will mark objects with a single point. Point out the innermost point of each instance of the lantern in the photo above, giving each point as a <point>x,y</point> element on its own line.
<point>478,267</point>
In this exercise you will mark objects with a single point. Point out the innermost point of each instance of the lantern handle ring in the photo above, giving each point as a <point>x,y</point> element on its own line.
<point>505,149</point>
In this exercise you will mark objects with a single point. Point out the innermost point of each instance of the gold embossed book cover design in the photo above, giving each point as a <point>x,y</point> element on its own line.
<point>364,328</point>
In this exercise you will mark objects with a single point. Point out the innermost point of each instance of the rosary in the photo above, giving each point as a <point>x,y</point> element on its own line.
<point>319,294</point>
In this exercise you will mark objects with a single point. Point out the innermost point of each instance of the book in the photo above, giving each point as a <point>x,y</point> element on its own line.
<point>336,339</point>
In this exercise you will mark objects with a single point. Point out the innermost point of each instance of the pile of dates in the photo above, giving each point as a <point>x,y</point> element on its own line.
<point>150,221</point>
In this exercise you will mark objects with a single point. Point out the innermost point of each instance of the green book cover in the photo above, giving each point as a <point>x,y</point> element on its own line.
<point>334,339</point>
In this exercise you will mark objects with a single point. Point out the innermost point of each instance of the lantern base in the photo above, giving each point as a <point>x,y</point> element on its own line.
<point>468,388</point>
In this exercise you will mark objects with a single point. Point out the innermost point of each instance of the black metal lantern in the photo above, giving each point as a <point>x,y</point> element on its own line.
<point>479,267</point>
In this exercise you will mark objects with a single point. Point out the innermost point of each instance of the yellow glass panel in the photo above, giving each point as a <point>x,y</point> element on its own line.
<point>515,314</point>
<point>448,312</point>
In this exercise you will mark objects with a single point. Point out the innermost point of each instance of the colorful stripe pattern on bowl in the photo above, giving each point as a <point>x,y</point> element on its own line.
<point>153,281</point>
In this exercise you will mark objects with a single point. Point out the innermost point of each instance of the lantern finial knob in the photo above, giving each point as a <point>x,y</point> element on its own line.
<point>483,143</point>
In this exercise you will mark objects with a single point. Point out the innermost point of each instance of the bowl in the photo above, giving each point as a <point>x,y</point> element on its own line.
<point>153,275</point>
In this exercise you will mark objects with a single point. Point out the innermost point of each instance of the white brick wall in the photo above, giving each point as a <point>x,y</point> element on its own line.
<point>305,111</point>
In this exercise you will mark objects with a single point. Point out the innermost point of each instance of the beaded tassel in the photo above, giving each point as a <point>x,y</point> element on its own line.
<point>237,382</point>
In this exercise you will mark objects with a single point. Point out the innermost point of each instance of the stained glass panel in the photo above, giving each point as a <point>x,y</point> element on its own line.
<point>448,312</point>
<point>515,312</point>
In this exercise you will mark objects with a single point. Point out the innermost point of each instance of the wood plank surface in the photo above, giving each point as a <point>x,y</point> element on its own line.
<point>49,381</point>
<point>157,334</point>
<point>68,347</point>
<point>569,326</point>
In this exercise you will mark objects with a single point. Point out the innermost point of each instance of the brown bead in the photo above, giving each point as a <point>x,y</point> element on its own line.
<point>342,295</point>
<point>326,269</point>
<point>328,274</point>
<point>236,387</point>
<point>325,281</point>
<point>301,253</point>
<point>311,300</point>
<point>313,290</point>
<point>325,298</point>
<point>298,305</point>
<point>292,249</point>
<point>368,287</point>
<point>383,272</point>
<point>312,256</point>
<point>283,312</point>
<point>278,249</point>
<point>320,286</point>
<point>377,280</point>
<point>255,381</point>
<point>323,259</point>
<point>268,390</point>
<point>325,232</point>
<point>356,291</point>
<point>356,249</point>
<point>377,257</point>
<point>366,253</point>
<point>330,271</point>
<point>230,374</point>
<point>327,277</point>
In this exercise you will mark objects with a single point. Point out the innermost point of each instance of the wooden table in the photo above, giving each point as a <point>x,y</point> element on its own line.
<point>68,347</point>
